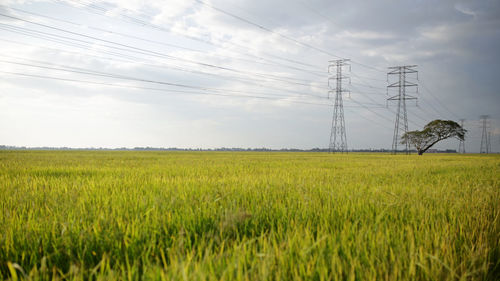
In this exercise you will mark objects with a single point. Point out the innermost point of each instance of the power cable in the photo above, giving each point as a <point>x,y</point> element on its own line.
<point>154,53</point>
<point>149,88</point>
<point>438,101</point>
<point>123,77</point>
<point>196,72</point>
<point>158,89</point>
<point>298,42</point>
<point>143,23</point>
<point>309,71</point>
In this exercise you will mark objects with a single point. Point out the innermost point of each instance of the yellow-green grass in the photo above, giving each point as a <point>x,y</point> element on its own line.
<point>248,216</point>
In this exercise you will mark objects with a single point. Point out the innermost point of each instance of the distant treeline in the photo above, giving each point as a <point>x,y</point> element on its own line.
<point>147,148</point>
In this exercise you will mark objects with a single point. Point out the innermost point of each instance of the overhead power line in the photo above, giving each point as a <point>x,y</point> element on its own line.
<point>164,90</point>
<point>298,42</point>
<point>142,51</point>
<point>444,106</point>
<point>129,48</point>
<point>368,96</point>
<point>308,71</point>
<point>233,78</point>
<point>145,23</point>
<point>52,66</point>
<point>425,101</point>
<point>227,13</point>
<point>137,60</point>
<point>136,79</point>
<point>156,27</point>
<point>123,77</point>
<point>158,89</point>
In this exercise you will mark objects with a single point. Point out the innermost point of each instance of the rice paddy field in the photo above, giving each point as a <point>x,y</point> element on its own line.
<point>127,215</point>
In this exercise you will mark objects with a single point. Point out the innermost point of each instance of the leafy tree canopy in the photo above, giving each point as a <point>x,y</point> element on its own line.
<point>432,133</point>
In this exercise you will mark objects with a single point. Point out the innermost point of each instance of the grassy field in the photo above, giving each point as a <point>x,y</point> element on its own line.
<point>248,216</point>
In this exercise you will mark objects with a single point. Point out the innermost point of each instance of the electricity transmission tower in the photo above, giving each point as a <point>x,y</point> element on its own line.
<point>484,137</point>
<point>401,124</point>
<point>338,139</point>
<point>488,145</point>
<point>461,145</point>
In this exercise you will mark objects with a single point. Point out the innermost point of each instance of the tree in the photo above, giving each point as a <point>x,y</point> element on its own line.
<point>432,133</point>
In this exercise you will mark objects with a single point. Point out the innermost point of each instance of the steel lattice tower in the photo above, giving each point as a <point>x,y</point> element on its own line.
<point>338,139</point>
<point>401,124</point>
<point>484,137</point>
<point>488,144</point>
<point>461,145</point>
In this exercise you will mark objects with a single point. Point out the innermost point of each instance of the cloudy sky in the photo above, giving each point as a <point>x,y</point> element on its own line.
<point>240,73</point>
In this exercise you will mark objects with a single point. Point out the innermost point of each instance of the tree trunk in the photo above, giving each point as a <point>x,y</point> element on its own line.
<point>421,151</point>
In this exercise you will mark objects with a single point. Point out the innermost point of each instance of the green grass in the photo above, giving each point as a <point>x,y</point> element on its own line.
<point>248,216</point>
